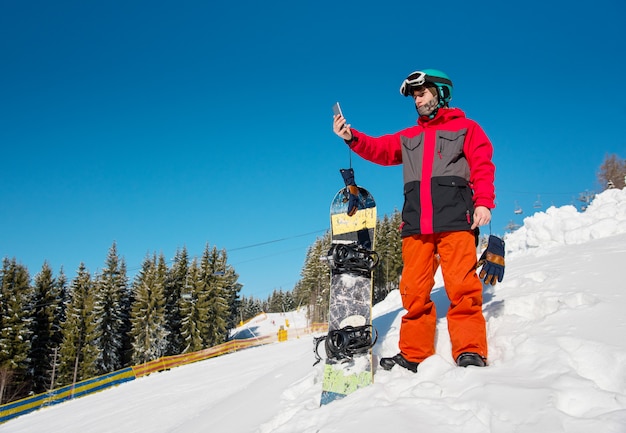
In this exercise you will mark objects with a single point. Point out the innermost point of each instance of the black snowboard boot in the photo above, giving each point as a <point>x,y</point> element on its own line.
<point>469,358</point>
<point>388,363</point>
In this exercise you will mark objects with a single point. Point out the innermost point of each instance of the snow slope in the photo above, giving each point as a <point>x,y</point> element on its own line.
<point>556,328</point>
<point>295,322</point>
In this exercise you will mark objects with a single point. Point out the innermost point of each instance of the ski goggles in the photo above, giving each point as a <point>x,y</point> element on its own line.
<point>415,79</point>
<point>419,78</point>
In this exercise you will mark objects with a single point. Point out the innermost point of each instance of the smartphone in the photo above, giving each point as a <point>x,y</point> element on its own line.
<point>337,109</point>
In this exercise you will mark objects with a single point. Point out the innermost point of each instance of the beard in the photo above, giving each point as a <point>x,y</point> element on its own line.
<point>429,107</point>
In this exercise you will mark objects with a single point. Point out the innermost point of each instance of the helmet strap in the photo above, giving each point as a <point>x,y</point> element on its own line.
<point>442,96</point>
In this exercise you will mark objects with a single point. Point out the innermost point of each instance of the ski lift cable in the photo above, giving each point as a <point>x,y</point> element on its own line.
<point>249,246</point>
<point>508,191</point>
<point>276,240</point>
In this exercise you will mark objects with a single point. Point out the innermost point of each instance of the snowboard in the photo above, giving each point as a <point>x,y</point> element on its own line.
<point>348,364</point>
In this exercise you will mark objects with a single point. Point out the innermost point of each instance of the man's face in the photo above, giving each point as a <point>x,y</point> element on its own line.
<point>425,100</point>
<point>422,96</point>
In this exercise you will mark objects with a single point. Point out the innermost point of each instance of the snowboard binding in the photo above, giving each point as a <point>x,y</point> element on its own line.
<point>342,344</point>
<point>350,257</point>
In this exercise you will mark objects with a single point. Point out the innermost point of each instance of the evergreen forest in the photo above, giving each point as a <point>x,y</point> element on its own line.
<point>55,331</point>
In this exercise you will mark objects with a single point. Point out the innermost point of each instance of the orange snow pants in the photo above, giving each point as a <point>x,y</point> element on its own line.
<point>466,323</point>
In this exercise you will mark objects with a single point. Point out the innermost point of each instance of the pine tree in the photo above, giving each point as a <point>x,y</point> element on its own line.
<point>46,316</point>
<point>126,303</point>
<point>149,328</point>
<point>79,349</point>
<point>60,316</point>
<point>174,286</point>
<point>231,289</point>
<point>110,313</point>
<point>15,329</point>
<point>194,310</point>
<point>212,288</point>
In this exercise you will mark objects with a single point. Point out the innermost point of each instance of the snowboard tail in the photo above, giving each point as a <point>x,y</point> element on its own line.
<point>341,379</point>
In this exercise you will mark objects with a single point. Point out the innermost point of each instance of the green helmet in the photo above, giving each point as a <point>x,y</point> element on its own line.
<point>434,76</point>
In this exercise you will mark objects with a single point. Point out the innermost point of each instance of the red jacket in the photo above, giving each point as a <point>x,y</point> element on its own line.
<point>447,170</point>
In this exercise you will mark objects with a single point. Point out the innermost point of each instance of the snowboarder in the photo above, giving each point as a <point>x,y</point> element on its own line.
<point>449,192</point>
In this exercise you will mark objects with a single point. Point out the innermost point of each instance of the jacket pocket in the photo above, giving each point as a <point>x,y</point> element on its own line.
<point>452,203</point>
<point>450,143</point>
<point>412,157</point>
<point>413,142</point>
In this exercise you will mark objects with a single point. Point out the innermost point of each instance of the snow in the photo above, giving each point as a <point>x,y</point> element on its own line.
<point>295,322</point>
<point>557,355</point>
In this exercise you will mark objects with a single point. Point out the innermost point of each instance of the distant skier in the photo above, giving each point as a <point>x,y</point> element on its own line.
<point>448,193</point>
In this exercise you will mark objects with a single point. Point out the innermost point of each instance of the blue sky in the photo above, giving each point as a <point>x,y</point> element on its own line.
<point>158,124</point>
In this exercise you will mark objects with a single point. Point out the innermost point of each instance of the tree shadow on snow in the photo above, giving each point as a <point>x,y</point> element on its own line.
<point>245,334</point>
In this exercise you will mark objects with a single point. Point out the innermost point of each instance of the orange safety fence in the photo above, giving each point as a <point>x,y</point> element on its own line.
<point>168,362</point>
<point>319,327</point>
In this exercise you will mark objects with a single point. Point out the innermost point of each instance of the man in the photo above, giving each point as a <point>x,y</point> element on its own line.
<point>448,193</point>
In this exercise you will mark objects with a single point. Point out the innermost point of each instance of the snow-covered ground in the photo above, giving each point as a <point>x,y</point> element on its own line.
<point>294,322</point>
<point>556,327</point>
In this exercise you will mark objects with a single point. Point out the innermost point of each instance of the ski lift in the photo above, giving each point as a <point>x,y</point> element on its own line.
<point>512,226</point>
<point>186,292</point>
<point>518,210</point>
<point>586,198</point>
<point>537,204</point>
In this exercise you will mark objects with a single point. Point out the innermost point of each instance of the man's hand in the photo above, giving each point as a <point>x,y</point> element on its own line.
<point>482,216</point>
<point>341,128</point>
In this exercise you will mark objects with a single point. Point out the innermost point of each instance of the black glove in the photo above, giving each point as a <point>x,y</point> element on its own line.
<point>492,261</point>
<point>351,190</point>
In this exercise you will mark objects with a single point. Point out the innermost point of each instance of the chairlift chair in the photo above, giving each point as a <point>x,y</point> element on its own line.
<point>512,226</point>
